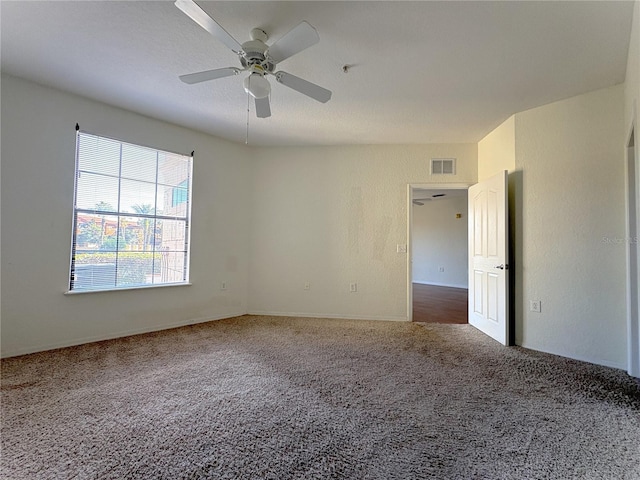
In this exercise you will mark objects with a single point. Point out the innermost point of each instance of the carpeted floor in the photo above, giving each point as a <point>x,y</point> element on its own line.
<point>285,398</point>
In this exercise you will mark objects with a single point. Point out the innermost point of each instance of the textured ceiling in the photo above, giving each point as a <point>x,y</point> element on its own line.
<point>421,72</point>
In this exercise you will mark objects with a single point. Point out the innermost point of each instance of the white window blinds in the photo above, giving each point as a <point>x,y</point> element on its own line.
<point>131,215</point>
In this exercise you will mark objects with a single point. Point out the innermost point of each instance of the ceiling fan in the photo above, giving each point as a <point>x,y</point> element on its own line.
<point>420,201</point>
<point>257,58</point>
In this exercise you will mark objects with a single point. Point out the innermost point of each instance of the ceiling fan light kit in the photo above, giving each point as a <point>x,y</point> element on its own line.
<point>257,58</point>
<point>257,86</point>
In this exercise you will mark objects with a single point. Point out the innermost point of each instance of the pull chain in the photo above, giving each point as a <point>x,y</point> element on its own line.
<point>246,138</point>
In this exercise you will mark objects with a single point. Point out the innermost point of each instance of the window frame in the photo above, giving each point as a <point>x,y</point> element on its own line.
<point>188,183</point>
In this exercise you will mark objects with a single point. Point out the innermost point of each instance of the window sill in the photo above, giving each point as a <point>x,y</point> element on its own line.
<point>138,287</point>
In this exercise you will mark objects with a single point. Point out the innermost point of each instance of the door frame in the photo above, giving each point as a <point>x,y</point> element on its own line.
<point>632,156</point>
<point>410,187</point>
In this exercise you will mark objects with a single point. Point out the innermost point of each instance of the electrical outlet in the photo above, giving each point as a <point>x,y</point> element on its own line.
<point>353,287</point>
<point>307,286</point>
<point>223,285</point>
<point>441,269</point>
<point>401,248</point>
<point>535,306</point>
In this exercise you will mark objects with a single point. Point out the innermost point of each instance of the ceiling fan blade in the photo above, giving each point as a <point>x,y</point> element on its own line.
<point>192,10</point>
<point>297,39</point>
<point>198,77</point>
<point>263,109</point>
<point>307,88</point>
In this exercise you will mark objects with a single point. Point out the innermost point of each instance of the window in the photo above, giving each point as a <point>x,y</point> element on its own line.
<point>131,216</point>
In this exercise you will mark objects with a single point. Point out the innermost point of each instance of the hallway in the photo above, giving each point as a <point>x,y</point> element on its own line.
<point>435,304</point>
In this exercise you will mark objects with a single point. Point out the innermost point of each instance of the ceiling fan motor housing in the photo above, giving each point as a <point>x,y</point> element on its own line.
<point>254,52</point>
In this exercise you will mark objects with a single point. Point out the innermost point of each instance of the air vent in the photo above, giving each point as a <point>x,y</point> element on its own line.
<point>443,166</point>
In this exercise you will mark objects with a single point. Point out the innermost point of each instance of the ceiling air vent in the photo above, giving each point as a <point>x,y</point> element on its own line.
<point>443,166</point>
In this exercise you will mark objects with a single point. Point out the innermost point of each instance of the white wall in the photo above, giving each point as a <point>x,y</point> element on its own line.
<point>632,117</point>
<point>632,80</point>
<point>571,156</point>
<point>332,216</point>
<point>38,146</point>
<point>566,199</point>
<point>326,215</point>
<point>497,151</point>
<point>440,240</point>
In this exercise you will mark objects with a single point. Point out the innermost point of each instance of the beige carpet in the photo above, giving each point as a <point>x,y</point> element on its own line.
<point>284,398</point>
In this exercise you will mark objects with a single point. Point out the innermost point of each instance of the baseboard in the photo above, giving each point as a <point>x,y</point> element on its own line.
<point>329,315</point>
<point>593,361</point>
<point>466,287</point>
<point>126,333</point>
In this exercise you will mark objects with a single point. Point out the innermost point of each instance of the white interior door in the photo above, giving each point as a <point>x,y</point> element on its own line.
<point>488,255</point>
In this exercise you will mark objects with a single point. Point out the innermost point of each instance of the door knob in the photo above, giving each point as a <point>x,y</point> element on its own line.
<point>502,267</point>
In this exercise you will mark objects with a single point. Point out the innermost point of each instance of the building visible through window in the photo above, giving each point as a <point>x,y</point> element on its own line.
<point>131,216</point>
<point>179,194</point>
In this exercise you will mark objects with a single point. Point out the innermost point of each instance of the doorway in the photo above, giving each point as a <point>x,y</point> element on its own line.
<point>438,252</point>
<point>633,260</point>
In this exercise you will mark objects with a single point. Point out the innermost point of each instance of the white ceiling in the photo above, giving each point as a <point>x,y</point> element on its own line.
<point>422,72</point>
